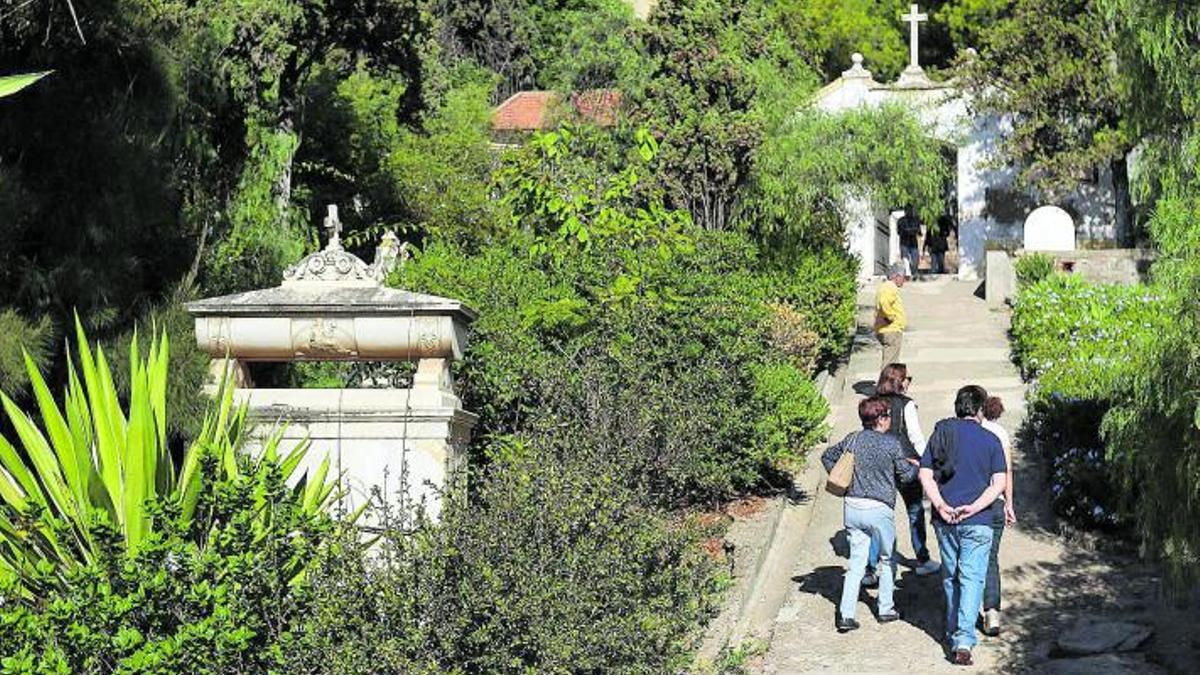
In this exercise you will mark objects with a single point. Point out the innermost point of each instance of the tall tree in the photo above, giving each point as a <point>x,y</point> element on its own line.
<point>1052,68</point>
<point>827,32</point>
<point>712,63</point>
<point>87,183</point>
<point>1154,435</point>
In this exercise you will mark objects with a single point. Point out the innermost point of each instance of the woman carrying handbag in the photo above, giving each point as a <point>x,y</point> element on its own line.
<point>878,463</point>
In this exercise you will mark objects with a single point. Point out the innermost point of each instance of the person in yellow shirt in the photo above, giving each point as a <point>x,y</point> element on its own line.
<point>890,320</point>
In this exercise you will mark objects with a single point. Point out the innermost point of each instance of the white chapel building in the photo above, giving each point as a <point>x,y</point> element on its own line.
<point>987,206</point>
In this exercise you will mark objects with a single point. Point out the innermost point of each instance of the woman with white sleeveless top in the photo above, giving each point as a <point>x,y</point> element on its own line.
<point>1003,513</point>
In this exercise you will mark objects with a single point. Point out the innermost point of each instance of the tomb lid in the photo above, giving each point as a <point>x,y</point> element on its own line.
<point>330,299</point>
<point>334,282</point>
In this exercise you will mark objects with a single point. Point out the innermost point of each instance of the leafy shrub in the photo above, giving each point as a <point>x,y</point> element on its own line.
<point>1153,432</point>
<point>821,285</point>
<point>21,337</point>
<point>1032,268</point>
<point>791,335</point>
<point>687,353</point>
<point>1084,481</point>
<point>1078,339</point>
<point>606,310</point>
<point>1080,342</point>
<point>214,591</point>
<point>555,566</point>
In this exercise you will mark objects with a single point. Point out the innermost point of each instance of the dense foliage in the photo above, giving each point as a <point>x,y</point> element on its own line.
<point>1079,343</point>
<point>605,302</point>
<point>1032,268</point>
<point>1079,339</point>
<point>1128,384</point>
<point>555,567</point>
<point>815,165</point>
<point>84,481</point>
<point>1154,433</point>
<point>213,591</point>
<point>1051,67</point>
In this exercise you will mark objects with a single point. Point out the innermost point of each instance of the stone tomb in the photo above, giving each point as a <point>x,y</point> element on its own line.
<point>1049,228</point>
<point>332,306</point>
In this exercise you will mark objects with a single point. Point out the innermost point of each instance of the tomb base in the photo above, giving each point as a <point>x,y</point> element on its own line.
<point>381,443</point>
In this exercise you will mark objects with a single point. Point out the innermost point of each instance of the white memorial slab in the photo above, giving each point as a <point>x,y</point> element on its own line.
<point>332,306</point>
<point>1049,228</point>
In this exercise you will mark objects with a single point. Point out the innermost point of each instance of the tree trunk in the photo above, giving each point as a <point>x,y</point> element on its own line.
<point>283,182</point>
<point>1122,202</point>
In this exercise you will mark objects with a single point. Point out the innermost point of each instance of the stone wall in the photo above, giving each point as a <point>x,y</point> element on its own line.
<point>1107,266</point>
<point>1126,266</point>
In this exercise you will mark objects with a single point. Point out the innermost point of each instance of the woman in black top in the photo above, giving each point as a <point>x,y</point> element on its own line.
<point>906,427</point>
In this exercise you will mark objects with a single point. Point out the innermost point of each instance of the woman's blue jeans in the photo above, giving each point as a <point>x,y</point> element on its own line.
<point>915,506</point>
<point>866,528</point>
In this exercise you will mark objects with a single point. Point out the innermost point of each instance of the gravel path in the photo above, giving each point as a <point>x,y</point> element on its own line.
<point>1049,580</point>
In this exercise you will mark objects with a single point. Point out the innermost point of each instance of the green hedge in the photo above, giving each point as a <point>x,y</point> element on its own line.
<point>552,567</point>
<point>1081,344</point>
<point>1078,339</point>
<point>227,605</point>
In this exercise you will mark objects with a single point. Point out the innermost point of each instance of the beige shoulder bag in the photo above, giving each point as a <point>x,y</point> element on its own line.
<point>842,473</point>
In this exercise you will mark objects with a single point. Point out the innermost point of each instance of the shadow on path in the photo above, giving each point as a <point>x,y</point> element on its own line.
<point>918,599</point>
<point>864,388</point>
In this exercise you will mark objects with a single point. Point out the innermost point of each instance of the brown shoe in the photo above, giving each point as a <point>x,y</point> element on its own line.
<point>962,657</point>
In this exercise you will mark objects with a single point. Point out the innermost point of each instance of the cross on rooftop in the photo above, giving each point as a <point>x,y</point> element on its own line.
<point>334,226</point>
<point>914,19</point>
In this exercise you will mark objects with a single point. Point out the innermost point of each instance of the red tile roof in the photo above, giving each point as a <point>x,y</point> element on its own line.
<point>535,110</point>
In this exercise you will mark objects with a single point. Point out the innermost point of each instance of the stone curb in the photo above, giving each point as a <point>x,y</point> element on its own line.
<point>772,582</point>
<point>769,579</point>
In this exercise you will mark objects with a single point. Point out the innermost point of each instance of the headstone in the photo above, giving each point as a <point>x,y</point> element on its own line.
<point>1049,228</point>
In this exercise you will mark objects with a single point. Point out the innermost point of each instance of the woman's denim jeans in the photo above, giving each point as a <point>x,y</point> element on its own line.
<point>865,527</point>
<point>915,506</point>
<point>965,550</point>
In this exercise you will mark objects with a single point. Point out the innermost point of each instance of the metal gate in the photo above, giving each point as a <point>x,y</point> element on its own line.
<point>883,246</point>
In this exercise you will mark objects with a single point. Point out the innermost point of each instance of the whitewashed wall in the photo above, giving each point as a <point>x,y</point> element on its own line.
<point>990,208</point>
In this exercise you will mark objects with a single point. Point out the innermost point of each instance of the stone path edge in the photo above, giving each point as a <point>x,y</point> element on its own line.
<point>766,588</point>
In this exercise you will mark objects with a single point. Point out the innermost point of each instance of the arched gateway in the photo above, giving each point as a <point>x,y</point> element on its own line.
<point>984,204</point>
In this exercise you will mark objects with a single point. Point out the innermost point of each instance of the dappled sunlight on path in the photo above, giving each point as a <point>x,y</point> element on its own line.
<point>1050,581</point>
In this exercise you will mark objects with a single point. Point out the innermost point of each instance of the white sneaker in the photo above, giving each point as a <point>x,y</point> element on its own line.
<point>991,622</point>
<point>928,567</point>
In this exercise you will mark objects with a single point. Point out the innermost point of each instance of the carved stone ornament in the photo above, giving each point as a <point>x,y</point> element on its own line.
<point>324,338</point>
<point>334,264</point>
<point>331,266</point>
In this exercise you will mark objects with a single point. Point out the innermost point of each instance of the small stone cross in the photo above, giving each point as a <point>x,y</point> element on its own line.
<point>334,226</point>
<point>914,19</point>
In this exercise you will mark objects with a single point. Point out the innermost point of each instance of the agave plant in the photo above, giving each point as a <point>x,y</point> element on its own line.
<point>11,84</point>
<point>92,467</point>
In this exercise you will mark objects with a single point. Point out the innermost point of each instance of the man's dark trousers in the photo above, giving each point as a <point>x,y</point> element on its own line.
<point>991,587</point>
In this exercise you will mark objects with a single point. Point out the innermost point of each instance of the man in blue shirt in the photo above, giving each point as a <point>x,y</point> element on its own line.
<point>963,472</point>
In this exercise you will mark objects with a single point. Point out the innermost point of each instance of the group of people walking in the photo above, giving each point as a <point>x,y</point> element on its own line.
<point>963,469</point>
